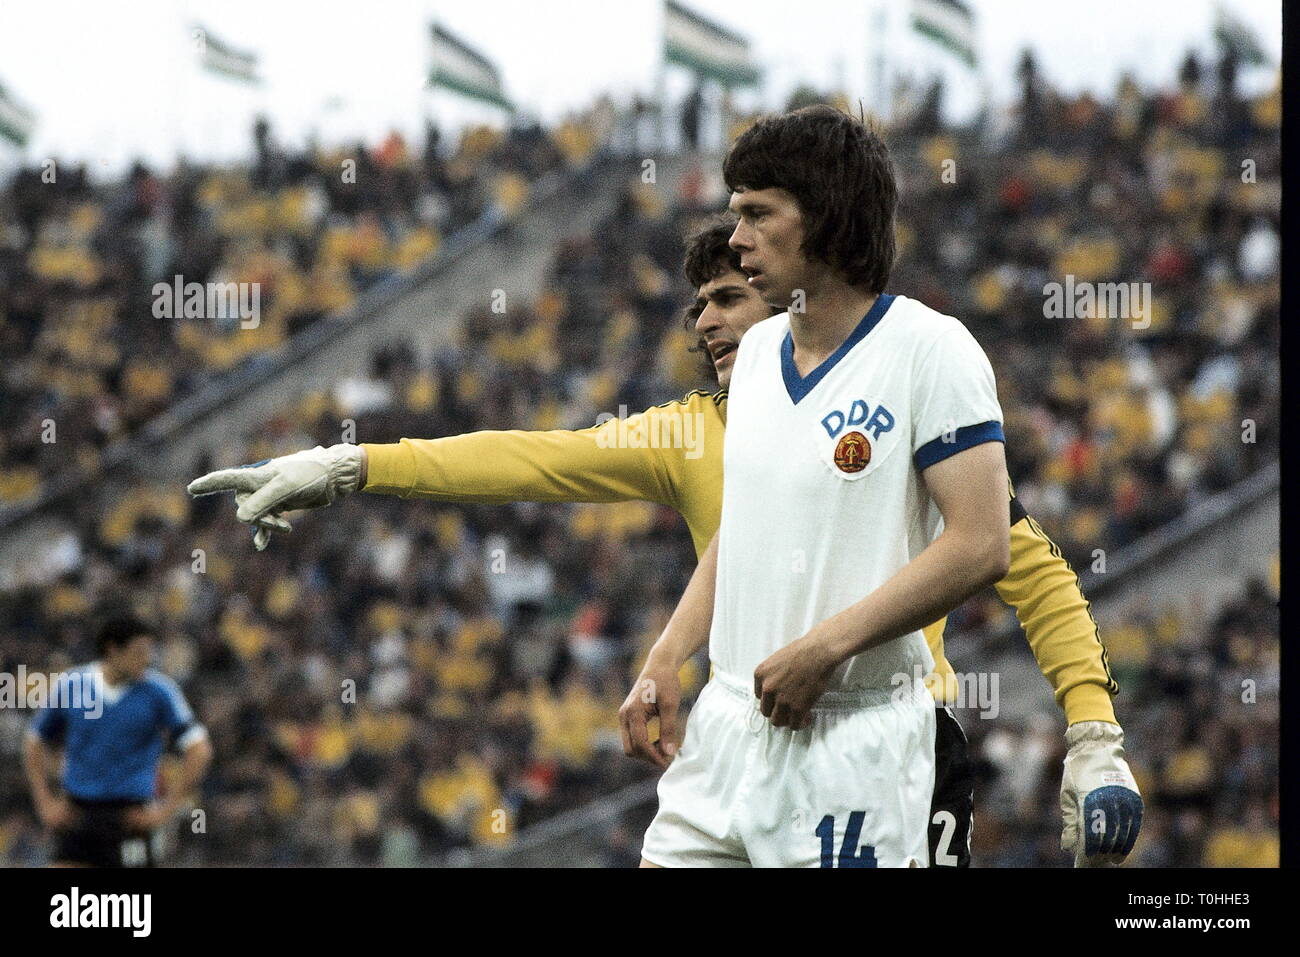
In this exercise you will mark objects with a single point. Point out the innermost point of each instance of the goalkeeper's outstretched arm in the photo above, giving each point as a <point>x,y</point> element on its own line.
<point>489,467</point>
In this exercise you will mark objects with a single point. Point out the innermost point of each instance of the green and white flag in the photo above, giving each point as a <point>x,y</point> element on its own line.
<point>949,23</point>
<point>16,120</point>
<point>1234,36</point>
<point>699,44</point>
<point>219,57</point>
<point>462,69</point>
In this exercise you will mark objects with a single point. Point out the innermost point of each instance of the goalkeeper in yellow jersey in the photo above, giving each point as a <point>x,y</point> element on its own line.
<point>1101,808</point>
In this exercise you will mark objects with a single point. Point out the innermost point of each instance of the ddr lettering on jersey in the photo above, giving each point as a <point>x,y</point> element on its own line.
<point>823,500</point>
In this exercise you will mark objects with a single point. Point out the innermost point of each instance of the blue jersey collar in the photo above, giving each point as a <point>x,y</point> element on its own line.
<point>799,386</point>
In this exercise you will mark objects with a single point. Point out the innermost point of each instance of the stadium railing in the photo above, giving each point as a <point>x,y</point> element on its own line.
<point>1224,527</point>
<point>576,838</point>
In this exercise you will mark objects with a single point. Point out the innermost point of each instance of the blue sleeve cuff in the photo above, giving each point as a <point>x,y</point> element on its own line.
<point>966,437</point>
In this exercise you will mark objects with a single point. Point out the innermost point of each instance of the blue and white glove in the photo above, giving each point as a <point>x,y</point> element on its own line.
<point>1100,803</point>
<point>263,490</point>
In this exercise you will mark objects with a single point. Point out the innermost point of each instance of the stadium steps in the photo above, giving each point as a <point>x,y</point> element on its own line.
<point>424,306</point>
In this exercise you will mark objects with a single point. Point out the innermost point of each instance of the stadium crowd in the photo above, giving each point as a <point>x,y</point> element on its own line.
<point>408,678</point>
<point>1200,706</point>
<point>1115,423</point>
<point>313,228</point>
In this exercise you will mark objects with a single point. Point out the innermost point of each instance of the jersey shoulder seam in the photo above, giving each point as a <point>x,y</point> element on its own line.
<point>717,398</point>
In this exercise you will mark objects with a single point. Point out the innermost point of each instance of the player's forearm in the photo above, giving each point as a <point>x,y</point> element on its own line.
<point>36,766</point>
<point>1086,701</point>
<point>955,566</point>
<point>1045,594</point>
<point>688,629</point>
<point>195,761</point>
<point>499,467</point>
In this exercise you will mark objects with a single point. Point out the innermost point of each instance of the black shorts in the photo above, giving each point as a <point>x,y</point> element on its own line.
<point>953,803</point>
<point>99,837</point>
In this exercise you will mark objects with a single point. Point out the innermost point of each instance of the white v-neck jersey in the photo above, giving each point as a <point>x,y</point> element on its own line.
<point>823,500</point>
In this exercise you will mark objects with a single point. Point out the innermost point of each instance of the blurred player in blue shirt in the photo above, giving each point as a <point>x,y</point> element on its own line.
<point>113,718</point>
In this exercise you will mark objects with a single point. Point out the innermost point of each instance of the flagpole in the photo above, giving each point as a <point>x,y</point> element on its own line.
<point>661,82</point>
<point>877,24</point>
<point>422,107</point>
<point>189,83</point>
<point>430,17</point>
<point>174,110</point>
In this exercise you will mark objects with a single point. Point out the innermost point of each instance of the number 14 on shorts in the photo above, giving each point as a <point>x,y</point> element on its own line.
<point>850,854</point>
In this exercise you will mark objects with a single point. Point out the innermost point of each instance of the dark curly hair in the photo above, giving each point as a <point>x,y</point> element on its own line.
<point>838,170</point>
<point>708,253</point>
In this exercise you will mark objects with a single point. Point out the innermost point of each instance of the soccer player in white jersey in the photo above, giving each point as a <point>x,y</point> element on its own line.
<point>864,496</point>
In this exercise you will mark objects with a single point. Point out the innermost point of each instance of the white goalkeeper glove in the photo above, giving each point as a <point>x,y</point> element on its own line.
<point>263,490</point>
<point>1100,803</point>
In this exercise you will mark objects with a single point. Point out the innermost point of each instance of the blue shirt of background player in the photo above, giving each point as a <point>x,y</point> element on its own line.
<point>115,756</point>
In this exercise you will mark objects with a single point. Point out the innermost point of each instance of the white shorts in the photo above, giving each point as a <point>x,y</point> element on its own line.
<point>742,793</point>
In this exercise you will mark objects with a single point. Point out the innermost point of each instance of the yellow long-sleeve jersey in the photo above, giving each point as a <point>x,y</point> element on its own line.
<point>672,455</point>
